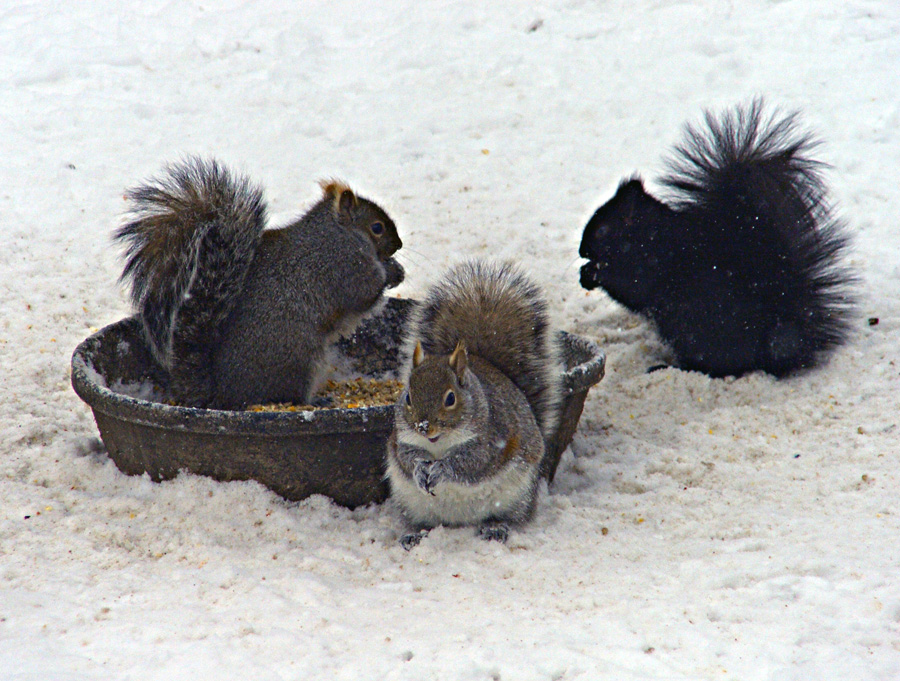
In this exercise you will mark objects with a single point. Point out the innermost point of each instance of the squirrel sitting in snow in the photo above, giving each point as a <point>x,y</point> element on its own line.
<point>740,269</point>
<point>237,315</point>
<point>482,396</point>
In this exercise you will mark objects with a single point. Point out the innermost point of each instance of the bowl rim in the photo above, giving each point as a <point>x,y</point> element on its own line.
<point>101,398</point>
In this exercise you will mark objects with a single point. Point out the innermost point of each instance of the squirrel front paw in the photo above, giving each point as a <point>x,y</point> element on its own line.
<point>394,273</point>
<point>427,474</point>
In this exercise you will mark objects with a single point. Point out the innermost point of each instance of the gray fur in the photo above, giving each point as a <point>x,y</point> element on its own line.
<point>491,475</point>
<point>191,235</point>
<point>283,322</point>
<point>238,315</point>
<point>486,339</point>
<point>502,317</point>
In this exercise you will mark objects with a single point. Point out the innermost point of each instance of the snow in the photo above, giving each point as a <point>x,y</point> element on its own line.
<point>752,530</point>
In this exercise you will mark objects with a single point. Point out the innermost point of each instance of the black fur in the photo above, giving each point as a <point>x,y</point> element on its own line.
<point>740,268</point>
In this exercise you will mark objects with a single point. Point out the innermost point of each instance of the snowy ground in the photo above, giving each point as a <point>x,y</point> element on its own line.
<point>753,528</point>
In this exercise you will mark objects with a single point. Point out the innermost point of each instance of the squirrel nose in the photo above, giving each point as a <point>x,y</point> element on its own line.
<point>422,427</point>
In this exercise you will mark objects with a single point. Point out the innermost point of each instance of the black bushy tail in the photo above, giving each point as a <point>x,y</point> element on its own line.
<point>755,175</point>
<point>502,317</point>
<point>189,242</point>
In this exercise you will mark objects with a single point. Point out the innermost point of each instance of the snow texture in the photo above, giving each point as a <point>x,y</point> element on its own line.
<point>697,529</point>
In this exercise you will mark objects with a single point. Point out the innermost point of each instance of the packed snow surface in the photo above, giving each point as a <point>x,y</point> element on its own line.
<point>697,529</point>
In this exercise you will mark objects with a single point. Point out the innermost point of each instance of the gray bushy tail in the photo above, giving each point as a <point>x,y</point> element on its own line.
<point>502,317</point>
<point>189,241</point>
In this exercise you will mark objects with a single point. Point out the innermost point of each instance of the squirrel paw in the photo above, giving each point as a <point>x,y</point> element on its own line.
<point>427,474</point>
<point>393,272</point>
<point>411,540</point>
<point>494,532</point>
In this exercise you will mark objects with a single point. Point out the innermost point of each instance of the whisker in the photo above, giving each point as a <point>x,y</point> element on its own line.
<point>572,262</point>
<point>406,250</point>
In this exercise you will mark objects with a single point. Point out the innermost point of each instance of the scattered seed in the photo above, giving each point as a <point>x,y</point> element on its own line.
<point>352,394</point>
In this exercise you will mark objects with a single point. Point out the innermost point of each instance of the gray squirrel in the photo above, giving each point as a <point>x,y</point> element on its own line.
<point>483,394</point>
<point>237,314</point>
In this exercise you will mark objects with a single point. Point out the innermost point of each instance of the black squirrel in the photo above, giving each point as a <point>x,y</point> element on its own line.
<point>237,314</point>
<point>482,396</point>
<point>740,269</point>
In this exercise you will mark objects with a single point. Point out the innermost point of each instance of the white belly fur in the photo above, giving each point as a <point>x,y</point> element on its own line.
<point>502,495</point>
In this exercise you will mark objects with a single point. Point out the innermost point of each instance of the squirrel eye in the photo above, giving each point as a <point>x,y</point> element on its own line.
<point>407,399</point>
<point>449,399</point>
<point>377,228</point>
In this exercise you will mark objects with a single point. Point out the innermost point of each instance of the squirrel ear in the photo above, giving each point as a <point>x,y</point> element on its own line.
<point>458,361</point>
<point>343,200</point>
<point>344,206</point>
<point>631,194</point>
<point>418,354</point>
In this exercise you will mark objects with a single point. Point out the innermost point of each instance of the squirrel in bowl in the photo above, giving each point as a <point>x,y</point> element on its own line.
<point>740,270</point>
<point>482,396</point>
<point>237,314</point>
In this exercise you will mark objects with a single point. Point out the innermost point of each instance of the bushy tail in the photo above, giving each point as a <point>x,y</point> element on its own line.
<point>189,241</point>
<point>502,317</point>
<point>755,173</point>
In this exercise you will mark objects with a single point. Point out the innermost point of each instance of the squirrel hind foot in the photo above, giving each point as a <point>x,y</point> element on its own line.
<point>494,531</point>
<point>411,540</point>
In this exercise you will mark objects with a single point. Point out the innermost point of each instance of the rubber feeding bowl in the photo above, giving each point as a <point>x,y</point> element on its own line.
<point>335,452</point>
